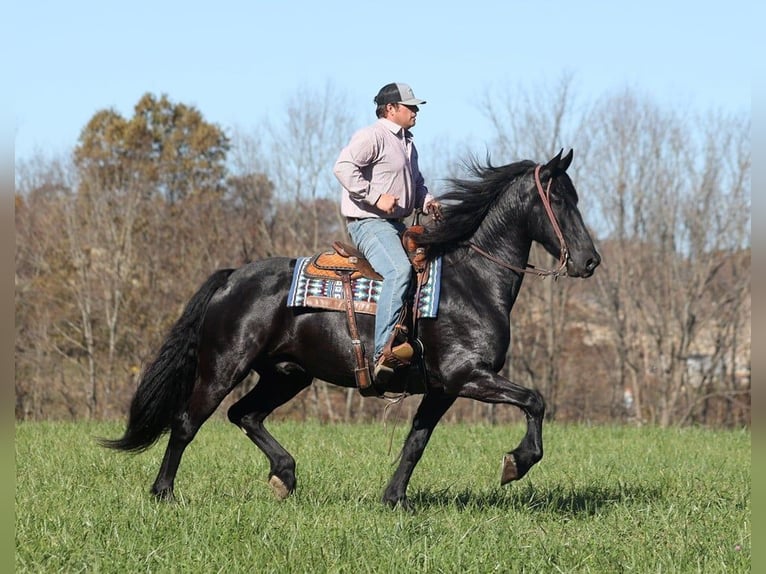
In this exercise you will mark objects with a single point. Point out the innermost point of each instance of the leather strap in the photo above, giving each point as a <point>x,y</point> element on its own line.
<point>362,371</point>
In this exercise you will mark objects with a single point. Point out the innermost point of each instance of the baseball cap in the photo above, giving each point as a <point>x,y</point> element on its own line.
<point>397,93</point>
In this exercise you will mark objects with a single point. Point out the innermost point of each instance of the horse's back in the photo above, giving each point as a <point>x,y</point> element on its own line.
<point>250,313</point>
<point>254,291</point>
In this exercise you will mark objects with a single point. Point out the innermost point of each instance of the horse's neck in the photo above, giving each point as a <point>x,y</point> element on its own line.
<point>487,276</point>
<point>512,248</point>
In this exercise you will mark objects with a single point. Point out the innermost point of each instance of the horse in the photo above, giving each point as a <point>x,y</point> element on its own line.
<point>238,322</point>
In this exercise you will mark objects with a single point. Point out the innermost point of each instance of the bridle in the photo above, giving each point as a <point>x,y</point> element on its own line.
<point>564,251</point>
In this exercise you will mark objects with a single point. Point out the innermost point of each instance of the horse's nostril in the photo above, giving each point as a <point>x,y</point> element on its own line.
<point>592,263</point>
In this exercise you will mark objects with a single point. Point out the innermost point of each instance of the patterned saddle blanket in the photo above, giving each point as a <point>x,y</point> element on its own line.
<point>323,292</point>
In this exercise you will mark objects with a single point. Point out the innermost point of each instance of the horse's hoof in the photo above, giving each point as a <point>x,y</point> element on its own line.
<point>509,471</point>
<point>164,495</point>
<point>402,504</point>
<point>279,488</point>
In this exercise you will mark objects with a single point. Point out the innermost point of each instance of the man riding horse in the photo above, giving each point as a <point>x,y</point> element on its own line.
<point>382,185</point>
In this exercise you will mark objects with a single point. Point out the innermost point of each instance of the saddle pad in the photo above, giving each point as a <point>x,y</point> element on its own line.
<point>327,293</point>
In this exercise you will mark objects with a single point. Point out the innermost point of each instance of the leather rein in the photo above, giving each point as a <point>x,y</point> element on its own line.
<point>564,252</point>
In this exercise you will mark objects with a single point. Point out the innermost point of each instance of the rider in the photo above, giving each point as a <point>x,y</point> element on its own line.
<point>382,185</point>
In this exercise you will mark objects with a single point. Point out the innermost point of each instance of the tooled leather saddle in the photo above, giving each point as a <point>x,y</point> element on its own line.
<point>349,264</point>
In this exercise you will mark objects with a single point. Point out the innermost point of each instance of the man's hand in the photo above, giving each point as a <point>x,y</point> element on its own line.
<point>387,202</point>
<point>434,209</point>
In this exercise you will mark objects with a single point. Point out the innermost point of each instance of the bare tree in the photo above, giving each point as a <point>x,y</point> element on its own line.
<point>43,187</point>
<point>303,150</point>
<point>534,123</point>
<point>99,229</point>
<point>250,198</point>
<point>674,213</point>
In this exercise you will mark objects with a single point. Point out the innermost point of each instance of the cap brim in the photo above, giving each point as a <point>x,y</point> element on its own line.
<point>413,102</point>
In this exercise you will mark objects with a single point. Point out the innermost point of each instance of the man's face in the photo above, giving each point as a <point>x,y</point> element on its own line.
<point>402,115</point>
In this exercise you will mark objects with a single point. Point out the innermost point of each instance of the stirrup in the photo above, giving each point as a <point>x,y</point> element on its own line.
<point>399,356</point>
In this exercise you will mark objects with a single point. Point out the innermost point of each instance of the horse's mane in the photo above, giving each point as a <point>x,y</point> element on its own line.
<point>468,202</point>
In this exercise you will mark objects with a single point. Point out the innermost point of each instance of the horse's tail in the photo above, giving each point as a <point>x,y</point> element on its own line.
<point>168,380</point>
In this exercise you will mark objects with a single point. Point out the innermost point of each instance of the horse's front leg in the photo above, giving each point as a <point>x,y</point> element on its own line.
<point>430,411</point>
<point>489,387</point>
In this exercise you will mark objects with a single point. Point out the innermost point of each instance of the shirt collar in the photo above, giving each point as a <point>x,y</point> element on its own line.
<point>395,129</point>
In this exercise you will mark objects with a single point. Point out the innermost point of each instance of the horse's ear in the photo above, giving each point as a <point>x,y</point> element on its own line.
<point>557,164</point>
<point>549,169</point>
<point>566,160</point>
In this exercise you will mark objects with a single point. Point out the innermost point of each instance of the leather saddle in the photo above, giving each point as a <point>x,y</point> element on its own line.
<point>348,263</point>
<point>345,258</point>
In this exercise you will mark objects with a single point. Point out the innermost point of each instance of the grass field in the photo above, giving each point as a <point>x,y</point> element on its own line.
<point>603,499</point>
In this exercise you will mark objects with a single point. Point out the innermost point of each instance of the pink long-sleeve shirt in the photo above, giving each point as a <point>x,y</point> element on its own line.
<point>380,158</point>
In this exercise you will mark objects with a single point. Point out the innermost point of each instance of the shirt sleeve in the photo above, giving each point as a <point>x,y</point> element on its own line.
<point>350,167</point>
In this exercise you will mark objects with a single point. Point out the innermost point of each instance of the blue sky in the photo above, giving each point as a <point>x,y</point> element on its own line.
<point>239,61</point>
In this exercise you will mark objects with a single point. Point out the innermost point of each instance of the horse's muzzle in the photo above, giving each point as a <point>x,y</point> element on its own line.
<point>584,270</point>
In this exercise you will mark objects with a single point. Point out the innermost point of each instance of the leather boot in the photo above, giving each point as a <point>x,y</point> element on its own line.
<point>389,361</point>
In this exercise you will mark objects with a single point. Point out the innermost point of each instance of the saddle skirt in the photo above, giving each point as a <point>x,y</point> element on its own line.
<point>316,284</point>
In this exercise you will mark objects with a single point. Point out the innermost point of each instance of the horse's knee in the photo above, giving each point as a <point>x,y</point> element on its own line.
<point>234,416</point>
<point>243,418</point>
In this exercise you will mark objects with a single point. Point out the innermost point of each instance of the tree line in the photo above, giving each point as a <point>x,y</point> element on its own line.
<point>112,240</point>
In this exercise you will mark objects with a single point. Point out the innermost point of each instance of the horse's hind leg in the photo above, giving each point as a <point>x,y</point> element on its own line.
<point>205,398</point>
<point>273,389</point>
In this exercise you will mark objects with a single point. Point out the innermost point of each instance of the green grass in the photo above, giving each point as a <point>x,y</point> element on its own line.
<point>603,499</point>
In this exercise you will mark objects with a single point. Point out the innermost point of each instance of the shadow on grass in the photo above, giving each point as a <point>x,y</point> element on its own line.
<point>556,499</point>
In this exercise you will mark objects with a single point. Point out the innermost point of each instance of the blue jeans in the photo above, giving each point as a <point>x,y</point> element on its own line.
<point>380,241</point>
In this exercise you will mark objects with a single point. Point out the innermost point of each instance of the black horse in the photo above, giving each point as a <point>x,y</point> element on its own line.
<point>238,322</point>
